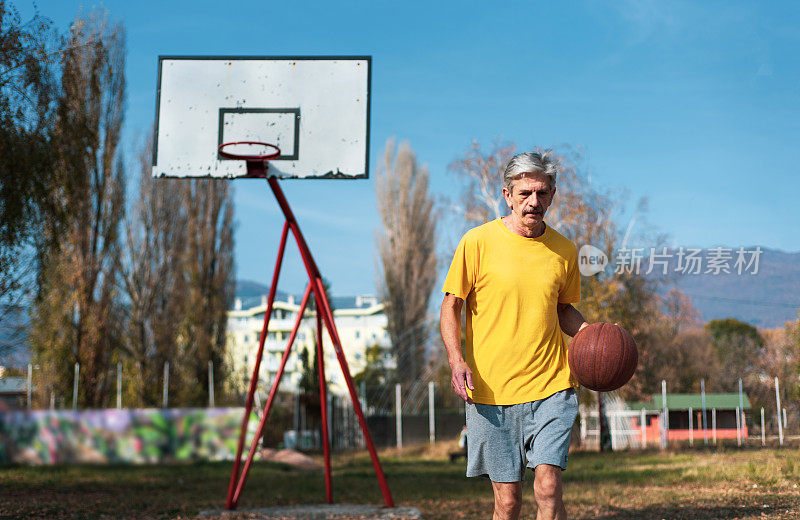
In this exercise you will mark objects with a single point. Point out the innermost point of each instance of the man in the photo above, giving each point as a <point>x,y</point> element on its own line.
<point>519,278</point>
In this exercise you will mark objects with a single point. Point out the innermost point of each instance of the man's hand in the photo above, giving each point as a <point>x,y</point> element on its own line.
<point>460,374</point>
<point>461,379</point>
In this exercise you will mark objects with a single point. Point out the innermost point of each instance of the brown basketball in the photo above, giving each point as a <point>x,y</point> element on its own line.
<point>603,356</point>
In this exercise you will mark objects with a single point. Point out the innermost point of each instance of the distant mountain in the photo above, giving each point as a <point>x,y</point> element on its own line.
<point>766,299</point>
<point>250,289</point>
<point>14,339</point>
<point>250,293</point>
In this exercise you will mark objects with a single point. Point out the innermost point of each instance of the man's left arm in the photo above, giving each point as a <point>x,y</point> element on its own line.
<point>570,319</point>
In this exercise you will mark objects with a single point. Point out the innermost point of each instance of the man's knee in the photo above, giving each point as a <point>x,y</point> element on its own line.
<point>507,499</point>
<point>547,485</point>
<point>508,504</point>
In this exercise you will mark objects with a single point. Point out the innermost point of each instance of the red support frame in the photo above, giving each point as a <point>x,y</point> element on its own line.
<point>323,315</point>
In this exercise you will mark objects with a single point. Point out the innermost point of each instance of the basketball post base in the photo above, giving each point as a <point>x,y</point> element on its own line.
<point>324,315</point>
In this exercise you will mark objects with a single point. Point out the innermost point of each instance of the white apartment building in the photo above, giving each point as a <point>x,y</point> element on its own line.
<point>360,322</point>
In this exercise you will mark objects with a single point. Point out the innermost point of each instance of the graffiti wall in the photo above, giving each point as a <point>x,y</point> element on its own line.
<point>128,436</point>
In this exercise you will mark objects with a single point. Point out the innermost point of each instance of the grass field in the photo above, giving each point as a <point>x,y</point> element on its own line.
<point>727,485</point>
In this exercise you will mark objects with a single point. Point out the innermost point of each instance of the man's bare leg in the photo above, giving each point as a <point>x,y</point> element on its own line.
<point>507,500</point>
<point>548,494</point>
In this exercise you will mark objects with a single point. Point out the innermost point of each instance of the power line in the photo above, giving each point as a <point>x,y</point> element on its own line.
<point>762,303</point>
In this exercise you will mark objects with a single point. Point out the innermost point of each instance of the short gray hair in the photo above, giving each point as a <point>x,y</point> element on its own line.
<point>530,162</point>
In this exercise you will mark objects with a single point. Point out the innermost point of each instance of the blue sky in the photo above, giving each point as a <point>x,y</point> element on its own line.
<point>695,106</point>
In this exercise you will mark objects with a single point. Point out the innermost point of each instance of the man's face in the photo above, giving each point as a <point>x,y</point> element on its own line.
<point>529,198</point>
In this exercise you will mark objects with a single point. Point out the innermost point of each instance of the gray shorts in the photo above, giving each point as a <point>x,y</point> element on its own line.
<point>502,440</point>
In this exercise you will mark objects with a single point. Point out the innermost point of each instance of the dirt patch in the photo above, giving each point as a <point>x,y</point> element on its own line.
<point>291,457</point>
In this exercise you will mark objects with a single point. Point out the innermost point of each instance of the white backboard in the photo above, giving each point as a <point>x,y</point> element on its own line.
<point>315,108</point>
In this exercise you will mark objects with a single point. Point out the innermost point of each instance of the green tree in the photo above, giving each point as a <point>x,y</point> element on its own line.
<point>375,376</point>
<point>309,379</point>
<point>375,372</point>
<point>739,346</point>
<point>27,90</point>
<point>723,331</point>
<point>309,387</point>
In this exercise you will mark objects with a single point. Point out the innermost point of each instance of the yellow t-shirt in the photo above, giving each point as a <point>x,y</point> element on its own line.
<point>511,284</point>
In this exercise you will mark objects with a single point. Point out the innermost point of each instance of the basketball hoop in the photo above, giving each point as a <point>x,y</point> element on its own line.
<point>334,131</point>
<point>256,163</point>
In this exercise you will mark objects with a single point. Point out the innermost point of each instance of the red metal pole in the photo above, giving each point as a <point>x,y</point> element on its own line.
<point>323,404</point>
<point>322,303</point>
<point>229,503</point>
<point>305,252</point>
<point>273,391</point>
<point>337,347</point>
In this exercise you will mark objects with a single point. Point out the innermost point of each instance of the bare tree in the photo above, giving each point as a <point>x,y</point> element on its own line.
<point>77,316</point>
<point>208,264</point>
<point>407,255</point>
<point>581,211</point>
<point>482,173</point>
<point>177,275</point>
<point>152,274</point>
<point>781,359</point>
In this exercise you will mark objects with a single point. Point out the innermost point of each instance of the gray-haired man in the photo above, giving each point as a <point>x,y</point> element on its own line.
<point>518,278</point>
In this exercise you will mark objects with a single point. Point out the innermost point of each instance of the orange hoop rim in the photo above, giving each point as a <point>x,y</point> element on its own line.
<point>259,157</point>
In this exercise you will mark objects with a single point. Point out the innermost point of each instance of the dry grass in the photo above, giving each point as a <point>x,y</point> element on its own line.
<point>726,485</point>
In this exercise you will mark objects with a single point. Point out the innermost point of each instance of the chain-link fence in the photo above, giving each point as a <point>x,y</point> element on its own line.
<point>396,415</point>
<point>403,414</point>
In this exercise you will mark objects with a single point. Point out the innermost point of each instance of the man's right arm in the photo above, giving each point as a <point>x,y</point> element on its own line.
<point>460,374</point>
